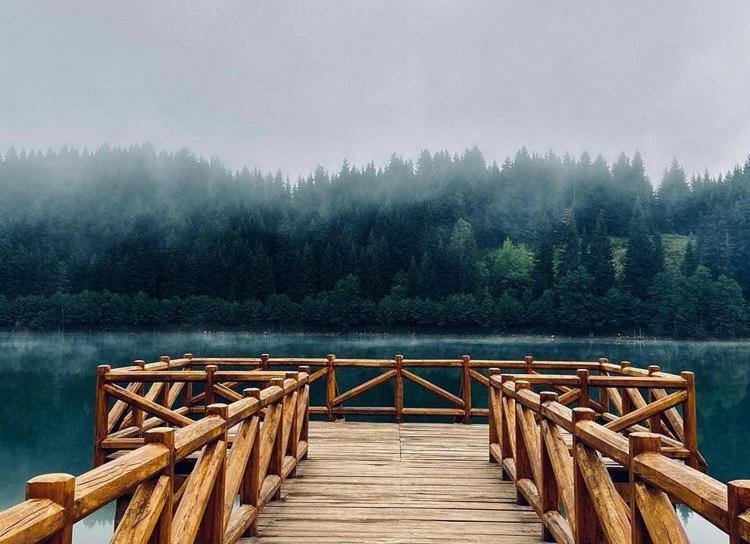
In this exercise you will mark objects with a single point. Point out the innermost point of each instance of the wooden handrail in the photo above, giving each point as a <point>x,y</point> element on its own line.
<point>143,478</point>
<point>593,507</point>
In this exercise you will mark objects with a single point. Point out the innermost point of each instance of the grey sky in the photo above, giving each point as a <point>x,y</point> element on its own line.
<point>293,85</point>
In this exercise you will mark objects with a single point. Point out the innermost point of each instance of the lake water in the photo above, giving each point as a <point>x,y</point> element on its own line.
<point>47,388</point>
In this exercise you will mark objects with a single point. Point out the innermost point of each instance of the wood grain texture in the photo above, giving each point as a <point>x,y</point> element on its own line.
<point>407,483</point>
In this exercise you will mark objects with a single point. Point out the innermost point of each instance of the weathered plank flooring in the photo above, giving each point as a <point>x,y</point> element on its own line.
<point>388,483</point>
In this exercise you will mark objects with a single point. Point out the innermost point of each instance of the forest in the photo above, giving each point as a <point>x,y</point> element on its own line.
<point>542,243</point>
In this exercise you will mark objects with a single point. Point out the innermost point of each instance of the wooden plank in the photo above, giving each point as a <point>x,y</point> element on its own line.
<point>659,515</point>
<point>189,513</point>
<point>143,512</point>
<point>431,387</point>
<point>366,386</point>
<point>147,406</point>
<point>611,510</point>
<point>646,411</point>
<point>397,484</point>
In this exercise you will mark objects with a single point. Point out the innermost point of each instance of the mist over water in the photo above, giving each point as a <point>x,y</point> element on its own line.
<point>46,421</point>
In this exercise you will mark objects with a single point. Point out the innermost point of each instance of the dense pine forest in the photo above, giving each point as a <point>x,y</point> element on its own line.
<point>123,238</point>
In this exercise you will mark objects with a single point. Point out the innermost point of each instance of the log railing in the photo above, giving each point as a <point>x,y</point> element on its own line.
<point>596,476</point>
<point>398,370</point>
<point>204,480</point>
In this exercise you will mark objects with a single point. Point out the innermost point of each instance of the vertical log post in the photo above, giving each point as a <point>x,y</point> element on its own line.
<point>276,466</point>
<point>523,459</point>
<point>627,402</point>
<point>583,377</point>
<point>466,387</point>
<point>264,361</point>
<point>165,437</point>
<point>138,415</point>
<point>603,391</point>
<point>738,499</point>
<point>189,385</point>
<point>293,441</point>
<point>210,393</point>
<point>60,489</point>
<point>640,443</point>
<point>164,397</point>
<point>654,423</point>
<point>587,529</point>
<point>212,527</point>
<point>529,362</point>
<point>305,423</point>
<point>101,415</point>
<point>505,445</point>
<point>330,384</point>
<point>399,391</point>
<point>549,494</point>
<point>690,420</point>
<point>251,484</point>
<point>492,412</point>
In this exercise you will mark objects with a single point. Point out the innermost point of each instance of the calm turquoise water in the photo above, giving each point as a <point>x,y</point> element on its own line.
<point>48,388</point>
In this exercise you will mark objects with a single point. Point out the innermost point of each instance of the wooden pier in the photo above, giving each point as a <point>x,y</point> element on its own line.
<point>207,450</point>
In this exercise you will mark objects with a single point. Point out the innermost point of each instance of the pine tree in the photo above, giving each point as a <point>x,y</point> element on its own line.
<point>690,260</point>
<point>728,308</point>
<point>543,273</point>
<point>673,195</point>
<point>644,256</point>
<point>570,253</point>
<point>598,258</point>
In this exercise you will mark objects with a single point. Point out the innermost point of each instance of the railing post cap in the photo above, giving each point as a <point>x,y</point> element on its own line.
<point>139,362</point>
<point>291,374</point>
<point>57,486</point>
<point>528,358</point>
<point>188,356</point>
<point>264,356</point>
<point>103,369</point>
<point>398,357</point>
<point>211,368</point>
<point>653,368</point>
<point>641,442</point>
<point>279,382</point>
<point>52,477</point>
<point>583,414</point>
<point>251,392</point>
<point>582,373</point>
<point>331,357</point>
<point>160,435</point>
<point>603,360</point>
<point>305,369</point>
<point>164,358</point>
<point>687,375</point>
<point>522,384</point>
<point>218,409</point>
<point>494,371</point>
<point>465,357</point>
<point>624,364</point>
<point>547,396</point>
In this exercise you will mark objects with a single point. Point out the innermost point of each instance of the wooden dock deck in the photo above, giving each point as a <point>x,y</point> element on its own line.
<point>389,483</point>
<point>585,452</point>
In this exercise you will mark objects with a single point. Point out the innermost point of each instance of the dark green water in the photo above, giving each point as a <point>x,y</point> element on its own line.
<point>48,388</point>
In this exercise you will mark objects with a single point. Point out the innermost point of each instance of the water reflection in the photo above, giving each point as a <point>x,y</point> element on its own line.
<point>48,387</point>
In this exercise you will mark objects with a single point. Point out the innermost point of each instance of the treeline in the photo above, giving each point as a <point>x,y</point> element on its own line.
<point>132,238</point>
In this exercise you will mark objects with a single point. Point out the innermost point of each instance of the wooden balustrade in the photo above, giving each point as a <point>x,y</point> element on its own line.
<point>204,480</point>
<point>601,452</point>
<point>595,475</point>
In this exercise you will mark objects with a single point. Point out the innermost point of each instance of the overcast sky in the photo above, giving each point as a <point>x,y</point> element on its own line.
<point>292,85</point>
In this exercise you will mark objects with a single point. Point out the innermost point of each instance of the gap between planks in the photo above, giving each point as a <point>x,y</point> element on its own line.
<point>387,483</point>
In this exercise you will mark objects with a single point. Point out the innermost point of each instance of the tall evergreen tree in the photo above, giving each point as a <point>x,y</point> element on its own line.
<point>644,257</point>
<point>598,258</point>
